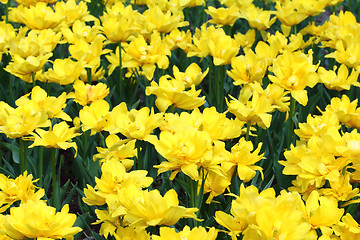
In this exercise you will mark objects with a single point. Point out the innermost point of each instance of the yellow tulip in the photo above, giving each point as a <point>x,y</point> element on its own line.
<point>187,233</point>
<point>144,208</point>
<point>223,16</point>
<point>58,137</point>
<point>85,94</point>
<point>36,220</point>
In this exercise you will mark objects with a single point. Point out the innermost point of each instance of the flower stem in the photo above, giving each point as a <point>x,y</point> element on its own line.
<point>121,78</point>
<point>55,199</point>
<point>290,121</point>
<point>248,126</point>
<point>88,75</point>
<point>23,155</point>
<point>40,165</point>
<point>33,79</point>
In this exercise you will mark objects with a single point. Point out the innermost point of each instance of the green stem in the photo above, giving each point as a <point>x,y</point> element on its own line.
<point>55,199</point>
<point>193,195</point>
<point>248,126</point>
<point>23,155</point>
<point>88,75</point>
<point>290,121</point>
<point>33,79</point>
<point>121,78</point>
<point>40,166</point>
<point>138,148</point>
<point>7,11</point>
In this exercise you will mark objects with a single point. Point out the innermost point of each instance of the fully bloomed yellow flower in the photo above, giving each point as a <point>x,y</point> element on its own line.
<point>348,228</point>
<point>290,13</point>
<point>120,22</point>
<point>7,33</point>
<point>322,211</point>
<point>223,16</point>
<point>255,111</point>
<point>242,160</point>
<point>163,22</point>
<point>22,188</point>
<point>257,17</point>
<point>95,117</point>
<point>36,220</point>
<point>73,11</point>
<point>128,233</point>
<point>79,30</point>
<point>64,71</point>
<point>216,124</point>
<point>121,150</point>
<point>339,81</point>
<point>178,39</point>
<point>38,17</point>
<point>148,208</point>
<point>247,68</point>
<point>186,151</point>
<point>58,137</point>
<point>85,94</point>
<point>26,66</point>
<point>172,92</point>
<point>52,106</point>
<point>192,75</point>
<point>145,56</point>
<point>113,178</point>
<point>135,124</point>
<point>187,233</point>
<point>294,71</point>
<point>23,120</point>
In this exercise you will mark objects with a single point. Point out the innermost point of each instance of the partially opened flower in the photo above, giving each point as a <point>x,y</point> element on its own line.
<point>59,136</point>
<point>192,75</point>
<point>95,117</point>
<point>223,16</point>
<point>64,71</point>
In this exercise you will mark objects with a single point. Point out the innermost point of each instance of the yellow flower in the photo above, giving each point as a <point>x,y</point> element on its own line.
<point>52,106</point>
<point>348,228</point>
<point>257,111</point>
<point>322,211</point>
<point>73,12</point>
<point>120,22</point>
<point>257,17</point>
<point>135,124</point>
<point>222,48</point>
<point>186,152</point>
<point>22,188</point>
<point>215,185</point>
<point>39,17</point>
<point>148,208</point>
<point>163,22</point>
<point>86,94</point>
<point>23,120</point>
<point>294,71</point>
<point>95,117</point>
<point>341,80</point>
<point>79,30</point>
<point>187,233</point>
<point>245,40</point>
<point>247,68</point>
<point>26,66</point>
<point>290,13</point>
<point>145,56</point>
<point>113,178</point>
<point>36,220</point>
<point>191,76</point>
<point>178,39</point>
<point>121,150</point>
<point>58,137</point>
<point>216,124</point>
<point>346,111</point>
<point>128,233</point>
<point>223,16</point>
<point>172,92</point>
<point>7,33</point>
<point>243,160</point>
<point>64,71</point>
<point>89,53</point>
